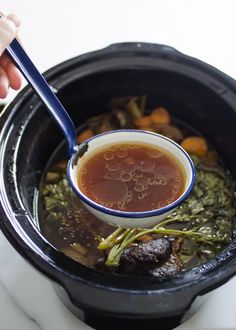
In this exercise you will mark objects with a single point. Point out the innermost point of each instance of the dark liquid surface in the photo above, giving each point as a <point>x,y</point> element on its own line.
<point>131,177</point>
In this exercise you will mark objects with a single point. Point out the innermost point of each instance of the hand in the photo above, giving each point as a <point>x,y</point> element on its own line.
<point>9,76</point>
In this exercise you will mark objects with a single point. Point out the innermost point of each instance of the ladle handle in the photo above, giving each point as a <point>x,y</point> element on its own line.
<point>41,87</point>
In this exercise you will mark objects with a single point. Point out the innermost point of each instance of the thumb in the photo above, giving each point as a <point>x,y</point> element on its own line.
<point>9,26</point>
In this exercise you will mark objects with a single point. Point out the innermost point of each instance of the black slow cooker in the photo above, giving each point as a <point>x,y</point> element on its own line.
<point>192,91</point>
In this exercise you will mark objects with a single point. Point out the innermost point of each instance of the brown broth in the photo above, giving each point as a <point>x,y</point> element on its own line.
<point>131,177</point>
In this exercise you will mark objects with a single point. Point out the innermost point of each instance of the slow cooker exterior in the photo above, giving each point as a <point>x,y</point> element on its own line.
<point>29,135</point>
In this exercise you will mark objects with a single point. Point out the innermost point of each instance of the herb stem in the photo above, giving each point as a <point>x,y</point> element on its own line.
<point>117,249</point>
<point>109,241</point>
<point>174,220</point>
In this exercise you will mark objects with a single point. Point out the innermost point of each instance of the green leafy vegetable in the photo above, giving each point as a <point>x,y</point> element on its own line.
<point>65,209</point>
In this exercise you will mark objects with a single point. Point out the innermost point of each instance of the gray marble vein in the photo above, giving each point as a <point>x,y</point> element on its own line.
<point>13,317</point>
<point>14,303</point>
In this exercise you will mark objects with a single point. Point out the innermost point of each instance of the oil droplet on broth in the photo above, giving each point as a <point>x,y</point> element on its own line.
<point>129,161</point>
<point>155,154</point>
<point>125,177</point>
<point>131,177</point>
<point>112,147</point>
<point>146,165</point>
<point>139,188</point>
<point>110,191</point>
<point>142,195</point>
<point>112,175</point>
<point>127,168</point>
<point>142,181</point>
<point>112,165</point>
<point>108,155</point>
<point>121,153</point>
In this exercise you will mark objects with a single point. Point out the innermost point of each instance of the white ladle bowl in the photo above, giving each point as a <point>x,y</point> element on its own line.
<point>123,218</point>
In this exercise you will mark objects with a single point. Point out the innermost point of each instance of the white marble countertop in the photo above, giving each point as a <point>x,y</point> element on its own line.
<point>205,29</point>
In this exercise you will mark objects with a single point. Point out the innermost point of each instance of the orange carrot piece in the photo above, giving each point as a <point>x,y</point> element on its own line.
<point>160,116</point>
<point>150,129</point>
<point>88,133</point>
<point>143,121</point>
<point>145,238</point>
<point>195,145</point>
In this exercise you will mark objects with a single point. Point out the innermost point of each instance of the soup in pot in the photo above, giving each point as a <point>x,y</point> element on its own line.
<point>195,232</point>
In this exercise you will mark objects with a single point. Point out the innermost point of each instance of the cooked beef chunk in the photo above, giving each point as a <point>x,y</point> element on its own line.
<point>169,131</point>
<point>137,259</point>
<point>172,266</point>
<point>155,251</point>
<point>156,257</point>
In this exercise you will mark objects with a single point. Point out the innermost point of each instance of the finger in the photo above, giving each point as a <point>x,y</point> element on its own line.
<point>5,60</point>
<point>8,30</point>
<point>4,83</point>
<point>14,76</point>
<point>13,73</point>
